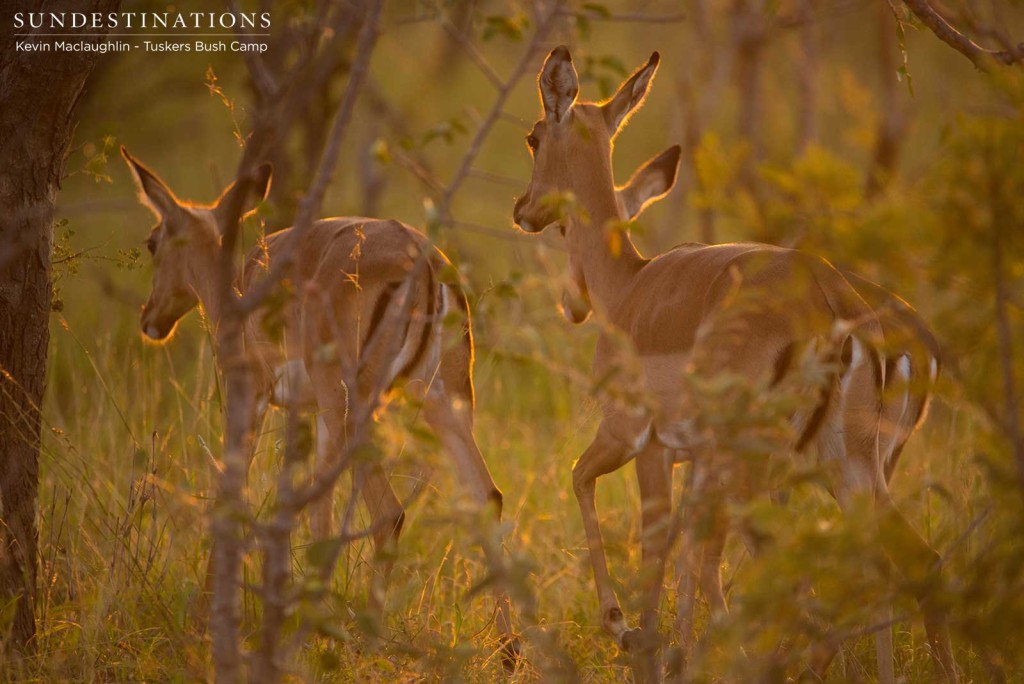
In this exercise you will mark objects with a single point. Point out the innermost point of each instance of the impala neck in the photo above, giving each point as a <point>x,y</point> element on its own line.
<point>588,238</point>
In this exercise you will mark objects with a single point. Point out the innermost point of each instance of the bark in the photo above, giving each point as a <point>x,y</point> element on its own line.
<point>1005,337</point>
<point>807,79</point>
<point>703,76</point>
<point>893,121</point>
<point>749,35</point>
<point>292,85</point>
<point>39,91</point>
<point>982,58</point>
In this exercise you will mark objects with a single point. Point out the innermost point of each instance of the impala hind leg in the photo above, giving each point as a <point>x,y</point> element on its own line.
<point>861,474</point>
<point>704,534</point>
<point>920,564</point>
<point>451,418</point>
<point>654,474</point>
<point>387,515</point>
<point>883,648</point>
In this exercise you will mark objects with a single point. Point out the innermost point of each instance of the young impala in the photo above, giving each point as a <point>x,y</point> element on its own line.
<point>350,272</point>
<point>697,312</point>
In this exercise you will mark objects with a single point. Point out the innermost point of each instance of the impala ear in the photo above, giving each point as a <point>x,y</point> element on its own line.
<point>558,83</point>
<point>255,192</point>
<point>153,192</point>
<point>630,95</point>
<point>651,182</point>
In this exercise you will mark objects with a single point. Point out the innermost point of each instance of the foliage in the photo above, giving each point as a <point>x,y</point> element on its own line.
<point>133,428</point>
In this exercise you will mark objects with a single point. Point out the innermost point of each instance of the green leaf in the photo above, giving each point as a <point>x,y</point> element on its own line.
<point>614,64</point>
<point>509,27</point>
<point>380,151</point>
<point>598,9</point>
<point>320,553</point>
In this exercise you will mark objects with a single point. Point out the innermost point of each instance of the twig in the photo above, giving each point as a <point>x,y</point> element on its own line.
<point>478,59</point>
<point>626,17</point>
<point>544,27</point>
<point>515,120</point>
<point>507,234</point>
<point>497,178</point>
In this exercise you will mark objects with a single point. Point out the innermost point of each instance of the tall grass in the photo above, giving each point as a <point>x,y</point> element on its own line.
<point>131,429</point>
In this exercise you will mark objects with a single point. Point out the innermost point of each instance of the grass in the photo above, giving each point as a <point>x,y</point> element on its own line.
<point>126,481</point>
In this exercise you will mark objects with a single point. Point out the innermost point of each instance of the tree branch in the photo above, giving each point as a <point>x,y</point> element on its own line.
<point>981,57</point>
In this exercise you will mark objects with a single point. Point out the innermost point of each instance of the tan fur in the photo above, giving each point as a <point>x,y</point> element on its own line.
<point>699,311</point>
<point>344,328</point>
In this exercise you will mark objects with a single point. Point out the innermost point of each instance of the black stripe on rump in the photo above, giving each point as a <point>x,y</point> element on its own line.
<point>810,431</point>
<point>428,326</point>
<point>380,307</point>
<point>782,363</point>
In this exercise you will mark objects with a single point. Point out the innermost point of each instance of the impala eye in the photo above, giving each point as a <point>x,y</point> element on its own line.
<point>151,244</point>
<point>532,141</point>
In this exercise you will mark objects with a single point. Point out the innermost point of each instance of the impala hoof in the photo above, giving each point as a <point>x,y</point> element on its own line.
<point>633,640</point>
<point>511,654</point>
<point>640,640</point>
<point>614,623</point>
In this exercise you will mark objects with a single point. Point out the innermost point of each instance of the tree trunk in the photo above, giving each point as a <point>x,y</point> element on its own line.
<point>39,91</point>
<point>892,123</point>
<point>807,80</point>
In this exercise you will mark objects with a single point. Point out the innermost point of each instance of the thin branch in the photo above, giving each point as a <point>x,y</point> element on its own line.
<point>819,13</point>
<point>627,17</point>
<point>497,178</point>
<point>981,57</point>
<point>412,161</point>
<point>516,120</point>
<point>507,234</point>
<point>264,81</point>
<point>474,55</point>
<point>544,27</point>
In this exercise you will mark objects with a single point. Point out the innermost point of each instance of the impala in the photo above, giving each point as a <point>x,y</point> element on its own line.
<point>349,273</point>
<point>700,311</point>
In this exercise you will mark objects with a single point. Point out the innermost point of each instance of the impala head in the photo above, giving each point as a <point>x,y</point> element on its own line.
<point>571,146</point>
<point>184,245</point>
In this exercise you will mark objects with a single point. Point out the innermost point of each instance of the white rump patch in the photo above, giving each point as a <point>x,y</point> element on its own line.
<point>292,384</point>
<point>680,435</point>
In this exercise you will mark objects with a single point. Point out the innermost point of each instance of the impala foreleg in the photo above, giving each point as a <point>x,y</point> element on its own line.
<point>604,455</point>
